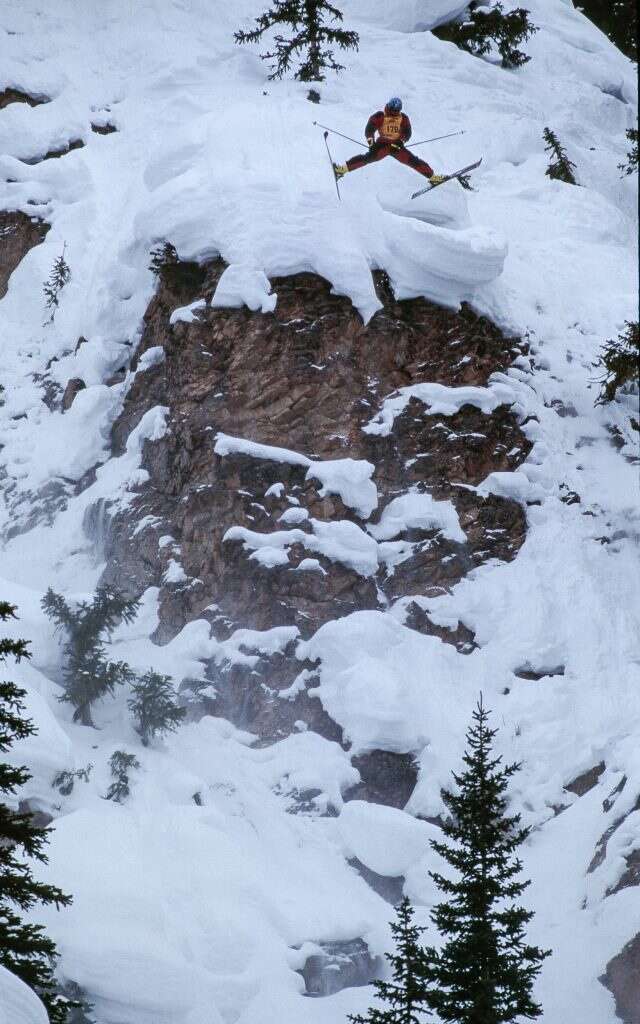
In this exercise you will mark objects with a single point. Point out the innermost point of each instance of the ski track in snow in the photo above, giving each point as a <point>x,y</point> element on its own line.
<point>193,915</point>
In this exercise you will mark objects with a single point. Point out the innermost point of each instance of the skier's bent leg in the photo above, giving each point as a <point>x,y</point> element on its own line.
<point>405,156</point>
<point>376,152</point>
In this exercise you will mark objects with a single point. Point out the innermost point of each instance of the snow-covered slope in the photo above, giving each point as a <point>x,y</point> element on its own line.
<point>198,913</point>
<point>18,1004</point>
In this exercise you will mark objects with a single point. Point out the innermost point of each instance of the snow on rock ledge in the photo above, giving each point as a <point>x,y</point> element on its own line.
<point>418,511</point>
<point>441,400</point>
<point>389,687</point>
<point>244,285</point>
<point>385,839</point>
<point>348,478</point>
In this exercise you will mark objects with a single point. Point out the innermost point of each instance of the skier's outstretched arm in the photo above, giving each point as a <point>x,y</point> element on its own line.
<point>372,126</point>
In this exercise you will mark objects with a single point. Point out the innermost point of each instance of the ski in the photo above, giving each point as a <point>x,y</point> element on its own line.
<point>331,162</point>
<point>448,177</point>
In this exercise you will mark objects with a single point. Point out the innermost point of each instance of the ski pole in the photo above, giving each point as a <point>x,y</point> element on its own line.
<point>361,144</point>
<point>437,139</point>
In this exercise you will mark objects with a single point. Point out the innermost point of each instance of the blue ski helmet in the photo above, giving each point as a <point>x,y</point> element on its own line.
<point>395,104</point>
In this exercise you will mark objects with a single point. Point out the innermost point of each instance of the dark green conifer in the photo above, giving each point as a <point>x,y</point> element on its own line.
<point>153,706</point>
<point>618,19</point>
<point>478,31</point>
<point>620,359</point>
<point>486,970</point>
<point>631,166</point>
<point>310,38</point>
<point>560,168</point>
<point>407,995</point>
<point>121,764</point>
<point>60,276</point>
<point>25,948</point>
<point>88,675</point>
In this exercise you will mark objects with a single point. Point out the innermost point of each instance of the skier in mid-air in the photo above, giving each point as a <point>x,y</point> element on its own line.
<point>393,129</point>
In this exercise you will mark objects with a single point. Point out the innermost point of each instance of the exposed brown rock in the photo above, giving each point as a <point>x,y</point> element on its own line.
<point>18,234</point>
<point>8,96</point>
<point>53,154</point>
<point>103,129</point>
<point>74,385</point>
<point>586,781</point>
<point>307,377</point>
<point>622,979</point>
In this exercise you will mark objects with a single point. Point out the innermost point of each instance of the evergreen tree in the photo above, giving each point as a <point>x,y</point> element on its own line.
<point>179,275</point>
<point>25,949</point>
<point>621,362</point>
<point>407,995</point>
<point>64,781</point>
<point>121,764</point>
<point>485,970</point>
<point>631,166</point>
<point>561,168</point>
<point>153,706</point>
<point>618,19</point>
<point>60,275</point>
<point>477,31</point>
<point>309,41</point>
<point>88,675</point>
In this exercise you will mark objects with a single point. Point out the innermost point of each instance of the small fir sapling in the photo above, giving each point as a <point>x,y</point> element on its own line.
<point>87,673</point>
<point>631,166</point>
<point>485,970</point>
<point>153,706</point>
<point>179,275</point>
<point>25,948</point>
<point>560,168</point>
<point>479,30</point>
<point>406,996</point>
<point>310,38</point>
<point>64,781</point>
<point>60,276</point>
<point>620,359</point>
<point>121,764</point>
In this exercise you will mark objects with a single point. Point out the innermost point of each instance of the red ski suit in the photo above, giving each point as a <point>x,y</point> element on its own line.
<point>393,131</point>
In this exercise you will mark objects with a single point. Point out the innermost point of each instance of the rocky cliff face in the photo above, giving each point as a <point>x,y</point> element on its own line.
<point>308,377</point>
<point>18,234</point>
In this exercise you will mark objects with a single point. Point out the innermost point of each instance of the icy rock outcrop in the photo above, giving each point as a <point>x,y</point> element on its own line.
<point>339,965</point>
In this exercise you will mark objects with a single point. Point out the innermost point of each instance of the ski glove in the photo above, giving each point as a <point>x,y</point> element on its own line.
<point>397,145</point>
<point>436,179</point>
<point>369,143</point>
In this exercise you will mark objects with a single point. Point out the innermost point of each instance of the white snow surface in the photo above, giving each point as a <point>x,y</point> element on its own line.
<point>243,285</point>
<point>18,1003</point>
<point>188,914</point>
<point>348,478</point>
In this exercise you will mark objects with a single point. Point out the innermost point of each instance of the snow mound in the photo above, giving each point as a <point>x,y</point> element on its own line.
<point>418,511</point>
<point>348,478</point>
<point>244,285</point>
<point>18,1003</point>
